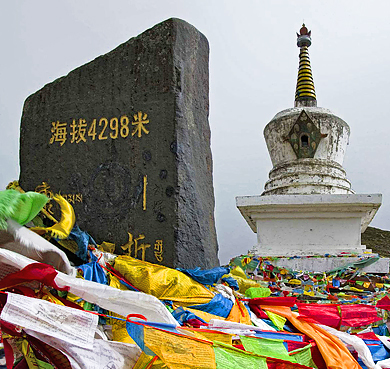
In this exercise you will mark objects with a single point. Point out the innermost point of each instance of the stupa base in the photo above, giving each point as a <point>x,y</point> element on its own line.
<point>309,225</point>
<point>368,263</point>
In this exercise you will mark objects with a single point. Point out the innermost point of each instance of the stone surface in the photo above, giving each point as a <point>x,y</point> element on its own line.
<point>378,240</point>
<point>290,225</point>
<point>324,264</point>
<point>136,156</point>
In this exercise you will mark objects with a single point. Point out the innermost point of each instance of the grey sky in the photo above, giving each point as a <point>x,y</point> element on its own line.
<point>253,70</point>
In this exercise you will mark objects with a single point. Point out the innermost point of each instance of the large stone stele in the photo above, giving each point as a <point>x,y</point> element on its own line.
<point>126,139</point>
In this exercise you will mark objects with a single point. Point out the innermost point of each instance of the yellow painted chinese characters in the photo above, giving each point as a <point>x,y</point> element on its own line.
<point>137,250</point>
<point>100,129</point>
<point>58,130</point>
<point>139,123</point>
<point>137,247</point>
<point>78,131</point>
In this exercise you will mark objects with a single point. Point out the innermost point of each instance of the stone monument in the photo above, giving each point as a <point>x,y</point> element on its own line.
<point>308,207</point>
<point>126,140</point>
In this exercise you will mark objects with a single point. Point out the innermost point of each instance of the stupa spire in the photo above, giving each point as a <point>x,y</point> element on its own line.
<point>305,94</point>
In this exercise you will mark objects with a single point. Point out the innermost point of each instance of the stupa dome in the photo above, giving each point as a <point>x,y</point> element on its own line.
<point>306,143</point>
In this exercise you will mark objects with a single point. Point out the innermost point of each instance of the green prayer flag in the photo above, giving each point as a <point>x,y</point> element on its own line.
<point>266,347</point>
<point>43,365</point>
<point>88,306</point>
<point>21,207</point>
<point>278,320</point>
<point>254,292</point>
<point>303,356</point>
<point>357,265</point>
<point>228,357</point>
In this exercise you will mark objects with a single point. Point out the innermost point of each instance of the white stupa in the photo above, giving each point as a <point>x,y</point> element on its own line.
<point>308,206</point>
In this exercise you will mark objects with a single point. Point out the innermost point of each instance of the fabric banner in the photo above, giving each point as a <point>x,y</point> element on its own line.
<point>92,271</point>
<point>109,298</point>
<point>219,305</point>
<point>32,272</point>
<point>356,342</point>
<point>384,303</point>
<point>243,282</point>
<point>327,314</point>
<point>274,301</point>
<point>227,357</point>
<point>21,207</point>
<point>183,316</point>
<point>162,282</point>
<point>278,320</point>
<point>223,324</point>
<point>336,315</point>
<point>256,292</point>
<point>202,315</point>
<point>334,352</point>
<point>358,315</point>
<point>102,355</point>
<point>57,358</point>
<point>303,356</point>
<point>239,314</point>
<point>76,326</point>
<point>33,246</point>
<point>211,335</point>
<point>266,347</point>
<point>177,351</point>
<point>63,228</point>
<point>31,359</point>
<point>206,277</point>
<point>377,349</point>
<point>82,239</point>
<point>286,336</point>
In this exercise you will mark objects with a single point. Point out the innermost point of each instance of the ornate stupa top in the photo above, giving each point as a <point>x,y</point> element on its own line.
<point>306,143</point>
<point>305,94</point>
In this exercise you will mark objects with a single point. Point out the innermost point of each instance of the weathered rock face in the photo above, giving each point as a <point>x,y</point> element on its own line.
<point>125,138</point>
<point>378,240</point>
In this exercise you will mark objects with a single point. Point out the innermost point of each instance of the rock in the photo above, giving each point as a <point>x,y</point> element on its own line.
<point>126,139</point>
<point>378,240</point>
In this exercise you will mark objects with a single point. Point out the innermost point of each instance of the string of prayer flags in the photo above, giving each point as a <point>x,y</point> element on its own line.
<point>250,314</point>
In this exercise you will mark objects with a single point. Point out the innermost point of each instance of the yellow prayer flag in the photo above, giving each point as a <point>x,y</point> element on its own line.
<point>210,335</point>
<point>179,352</point>
<point>162,282</point>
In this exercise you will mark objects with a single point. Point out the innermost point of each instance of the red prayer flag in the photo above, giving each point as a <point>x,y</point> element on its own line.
<point>327,314</point>
<point>273,301</point>
<point>40,272</point>
<point>358,315</point>
<point>383,303</point>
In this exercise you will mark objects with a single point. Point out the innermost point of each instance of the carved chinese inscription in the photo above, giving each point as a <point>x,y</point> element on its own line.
<point>102,129</point>
<point>136,247</point>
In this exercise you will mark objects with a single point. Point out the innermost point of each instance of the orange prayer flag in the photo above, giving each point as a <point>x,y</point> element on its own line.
<point>333,351</point>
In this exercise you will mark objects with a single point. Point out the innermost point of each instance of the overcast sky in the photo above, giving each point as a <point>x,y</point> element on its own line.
<point>253,70</point>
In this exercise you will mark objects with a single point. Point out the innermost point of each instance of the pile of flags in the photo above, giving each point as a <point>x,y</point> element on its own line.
<point>114,311</point>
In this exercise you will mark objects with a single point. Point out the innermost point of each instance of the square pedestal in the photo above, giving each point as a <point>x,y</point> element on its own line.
<point>293,225</point>
<point>326,264</point>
